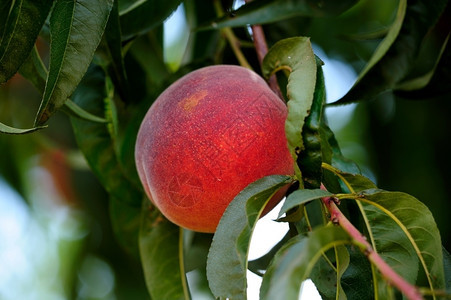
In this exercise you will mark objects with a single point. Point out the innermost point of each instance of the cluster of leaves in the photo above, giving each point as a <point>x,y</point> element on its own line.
<point>106,67</point>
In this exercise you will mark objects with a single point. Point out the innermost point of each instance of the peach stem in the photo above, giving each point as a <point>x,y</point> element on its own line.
<point>337,217</point>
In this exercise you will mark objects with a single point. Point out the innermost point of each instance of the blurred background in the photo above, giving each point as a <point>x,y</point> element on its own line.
<point>56,240</point>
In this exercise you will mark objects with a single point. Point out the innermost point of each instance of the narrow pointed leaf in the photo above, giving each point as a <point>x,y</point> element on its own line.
<point>141,16</point>
<point>21,30</point>
<point>300,197</point>
<point>113,46</point>
<point>416,222</point>
<point>33,69</point>
<point>268,11</point>
<point>161,249</point>
<point>95,142</point>
<point>394,56</point>
<point>227,259</point>
<point>294,265</point>
<point>311,158</point>
<point>76,28</point>
<point>295,55</point>
<point>11,130</point>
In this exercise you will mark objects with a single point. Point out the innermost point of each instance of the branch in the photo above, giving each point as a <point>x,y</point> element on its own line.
<point>337,217</point>
<point>262,48</point>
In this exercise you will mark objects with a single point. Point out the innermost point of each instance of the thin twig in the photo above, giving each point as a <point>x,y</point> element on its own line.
<point>262,48</point>
<point>337,217</point>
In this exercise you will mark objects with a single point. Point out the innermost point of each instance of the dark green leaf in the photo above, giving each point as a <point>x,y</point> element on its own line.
<point>76,28</point>
<point>74,110</point>
<point>161,248</point>
<point>227,259</point>
<point>11,130</point>
<point>22,27</point>
<point>300,197</point>
<point>5,6</point>
<point>34,70</point>
<point>311,158</point>
<point>394,56</point>
<point>295,55</point>
<point>269,11</point>
<point>95,141</point>
<point>416,222</point>
<point>116,68</point>
<point>290,268</point>
<point>125,221</point>
<point>327,273</point>
<point>141,16</point>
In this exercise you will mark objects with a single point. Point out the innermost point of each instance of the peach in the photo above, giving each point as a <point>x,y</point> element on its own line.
<point>205,138</point>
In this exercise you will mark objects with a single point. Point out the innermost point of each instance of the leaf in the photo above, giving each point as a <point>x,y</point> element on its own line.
<point>126,222</point>
<point>392,59</point>
<point>11,130</point>
<point>267,11</point>
<point>227,258</point>
<point>416,222</point>
<point>74,110</point>
<point>327,273</point>
<point>76,28</point>
<point>302,196</point>
<point>295,55</point>
<point>161,248</point>
<point>311,158</point>
<point>294,265</point>
<point>141,16</point>
<point>95,142</point>
<point>113,47</point>
<point>25,20</point>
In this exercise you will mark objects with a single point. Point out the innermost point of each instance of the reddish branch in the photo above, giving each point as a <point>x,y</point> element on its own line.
<point>337,217</point>
<point>262,48</point>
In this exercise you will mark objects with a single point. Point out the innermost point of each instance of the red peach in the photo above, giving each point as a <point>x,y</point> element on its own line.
<point>205,138</point>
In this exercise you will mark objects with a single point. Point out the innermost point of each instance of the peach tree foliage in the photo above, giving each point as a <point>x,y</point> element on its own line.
<point>105,66</point>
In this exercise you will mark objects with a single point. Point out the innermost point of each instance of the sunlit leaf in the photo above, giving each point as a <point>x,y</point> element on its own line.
<point>141,16</point>
<point>393,58</point>
<point>161,249</point>
<point>269,11</point>
<point>76,28</point>
<point>11,130</point>
<point>227,259</point>
<point>21,30</point>
<point>294,265</point>
<point>296,56</point>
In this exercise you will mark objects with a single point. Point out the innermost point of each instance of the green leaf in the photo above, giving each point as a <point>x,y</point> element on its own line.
<point>33,69</point>
<point>269,11</point>
<point>11,130</point>
<point>126,222</point>
<point>295,55</point>
<point>74,110</point>
<point>5,7</point>
<point>113,47</point>
<point>161,248</point>
<point>327,273</point>
<point>141,16</point>
<point>302,196</point>
<point>227,259</point>
<point>311,158</point>
<point>95,141</point>
<point>295,263</point>
<point>76,28</point>
<point>25,20</point>
<point>395,54</point>
<point>416,222</point>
